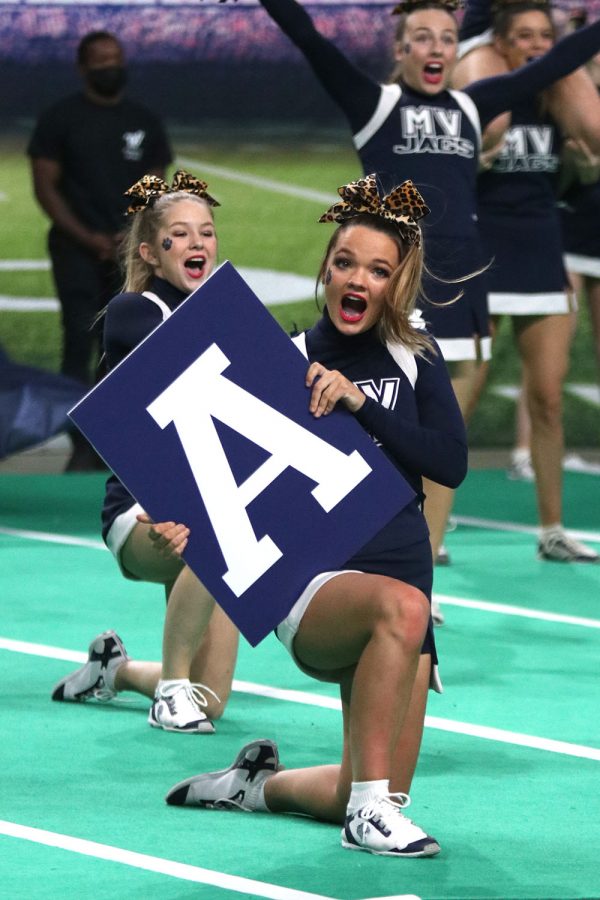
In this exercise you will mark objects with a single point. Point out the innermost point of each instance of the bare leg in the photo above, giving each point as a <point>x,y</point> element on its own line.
<point>468,378</point>
<point>189,631</point>
<point>408,743</point>
<point>214,662</point>
<point>543,343</point>
<point>592,290</point>
<point>213,665</point>
<point>323,791</point>
<point>522,423</point>
<point>189,609</point>
<point>138,676</point>
<point>358,626</point>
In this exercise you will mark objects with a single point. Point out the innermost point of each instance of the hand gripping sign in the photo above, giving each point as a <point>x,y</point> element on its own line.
<point>206,423</point>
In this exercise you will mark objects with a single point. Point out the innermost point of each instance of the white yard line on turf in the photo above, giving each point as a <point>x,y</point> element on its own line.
<point>306,698</point>
<point>504,609</point>
<point>496,525</point>
<point>155,864</point>
<point>268,184</point>
<point>53,538</point>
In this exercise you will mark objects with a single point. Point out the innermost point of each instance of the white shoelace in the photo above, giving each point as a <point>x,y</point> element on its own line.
<point>193,692</point>
<point>396,803</point>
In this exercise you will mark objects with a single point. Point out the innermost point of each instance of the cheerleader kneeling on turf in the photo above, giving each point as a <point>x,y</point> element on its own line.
<point>366,627</point>
<point>170,250</point>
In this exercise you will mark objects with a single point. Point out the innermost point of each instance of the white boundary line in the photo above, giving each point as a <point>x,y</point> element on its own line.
<point>268,184</point>
<point>525,612</point>
<point>481,605</point>
<point>51,538</point>
<point>156,864</point>
<point>499,525</point>
<point>306,698</point>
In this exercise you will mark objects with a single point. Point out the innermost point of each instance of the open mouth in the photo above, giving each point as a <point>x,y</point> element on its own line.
<point>353,308</point>
<point>195,266</point>
<point>433,73</point>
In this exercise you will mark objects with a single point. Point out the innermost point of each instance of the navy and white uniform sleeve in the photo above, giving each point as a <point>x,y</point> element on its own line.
<point>436,445</point>
<point>129,319</point>
<point>476,20</point>
<point>501,93</point>
<point>356,94</point>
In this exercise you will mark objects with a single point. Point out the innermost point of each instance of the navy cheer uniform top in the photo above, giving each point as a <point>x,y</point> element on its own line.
<point>520,225</point>
<point>130,317</point>
<point>418,426</point>
<point>580,215</point>
<point>412,413</point>
<point>434,140</point>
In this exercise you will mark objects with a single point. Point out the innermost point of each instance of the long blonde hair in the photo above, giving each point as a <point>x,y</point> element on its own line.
<point>403,287</point>
<point>144,229</point>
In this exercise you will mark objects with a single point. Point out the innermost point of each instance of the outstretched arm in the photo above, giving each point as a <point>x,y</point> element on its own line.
<point>355,93</point>
<point>574,102</point>
<point>493,96</point>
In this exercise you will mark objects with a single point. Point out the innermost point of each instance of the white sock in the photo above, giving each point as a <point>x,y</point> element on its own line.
<point>547,530</point>
<point>520,455</point>
<point>364,792</point>
<point>258,802</point>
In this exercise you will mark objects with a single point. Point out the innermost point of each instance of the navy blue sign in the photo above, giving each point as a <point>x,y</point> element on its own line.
<point>206,423</point>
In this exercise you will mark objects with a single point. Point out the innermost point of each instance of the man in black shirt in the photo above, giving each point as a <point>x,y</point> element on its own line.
<point>85,151</point>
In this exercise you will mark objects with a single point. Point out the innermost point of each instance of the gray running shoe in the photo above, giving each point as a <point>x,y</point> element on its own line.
<point>436,613</point>
<point>380,827</point>
<point>559,547</point>
<point>443,557</point>
<point>96,679</point>
<point>234,788</point>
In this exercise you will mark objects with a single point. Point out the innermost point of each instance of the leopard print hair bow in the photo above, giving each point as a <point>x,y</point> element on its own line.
<point>403,206</point>
<point>145,191</point>
<point>408,6</point>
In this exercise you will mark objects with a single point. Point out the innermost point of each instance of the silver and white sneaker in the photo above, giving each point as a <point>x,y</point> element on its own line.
<point>380,827</point>
<point>436,612</point>
<point>521,467</point>
<point>557,546</point>
<point>96,679</point>
<point>234,788</point>
<point>443,557</point>
<point>178,706</point>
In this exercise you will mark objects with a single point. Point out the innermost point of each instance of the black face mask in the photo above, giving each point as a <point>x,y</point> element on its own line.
<point>108,81</point>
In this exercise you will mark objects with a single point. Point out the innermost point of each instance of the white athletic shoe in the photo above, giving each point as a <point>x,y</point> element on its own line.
<point>96,679</point>
<point>380,827</point>
<point>178,706</point>
<point>520,468</point>
<point>436,612</point>
<point>234,788</point>
<point>443,557</point>
<point>557,546</point>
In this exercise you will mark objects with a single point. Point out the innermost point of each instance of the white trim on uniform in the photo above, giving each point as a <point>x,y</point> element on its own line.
<point>166,312</point>
<point>118,533</point>
<point>404,359</point>
<point>124,524</point>
<point>542,304</point>
<point>389,96</point>
<point>300,342</point>
<point>479,40</point>
<point>286,630</point>
<point>583,265</point>
<point>470,111</point>
<point>465,348</point>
